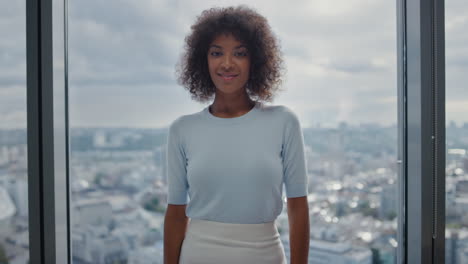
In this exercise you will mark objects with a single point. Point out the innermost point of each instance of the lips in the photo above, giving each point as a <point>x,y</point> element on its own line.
<point>228,77</point>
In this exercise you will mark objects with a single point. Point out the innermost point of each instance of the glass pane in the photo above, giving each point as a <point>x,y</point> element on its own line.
<point>340,58</point>
<point>14,234</point>
<point>456,232</point>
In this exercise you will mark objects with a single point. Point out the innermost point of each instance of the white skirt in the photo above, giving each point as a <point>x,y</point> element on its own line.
<point>208,242</point>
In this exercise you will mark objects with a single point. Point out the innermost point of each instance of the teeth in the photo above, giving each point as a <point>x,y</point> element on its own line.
<point>228,75</point>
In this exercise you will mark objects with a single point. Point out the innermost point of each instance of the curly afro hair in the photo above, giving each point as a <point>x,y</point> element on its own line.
<point>248,27</point>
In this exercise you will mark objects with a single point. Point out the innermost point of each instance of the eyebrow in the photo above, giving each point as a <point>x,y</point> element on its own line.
<point>238,47</point>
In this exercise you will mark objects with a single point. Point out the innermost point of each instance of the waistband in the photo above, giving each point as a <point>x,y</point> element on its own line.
<point>242,232</point>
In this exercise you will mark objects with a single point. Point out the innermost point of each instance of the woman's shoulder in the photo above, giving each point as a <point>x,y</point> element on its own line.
<point>185,120</point>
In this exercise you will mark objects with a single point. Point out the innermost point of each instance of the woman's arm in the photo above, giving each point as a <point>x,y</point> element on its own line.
<point>299,231</point>
<point>175,225</point>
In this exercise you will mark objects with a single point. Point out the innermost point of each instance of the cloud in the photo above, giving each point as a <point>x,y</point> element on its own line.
<point>353,67</point>
<point>13,64</point>
<point>340,58</point>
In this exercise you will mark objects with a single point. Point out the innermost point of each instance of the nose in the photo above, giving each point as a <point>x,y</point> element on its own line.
<point>226,63</point>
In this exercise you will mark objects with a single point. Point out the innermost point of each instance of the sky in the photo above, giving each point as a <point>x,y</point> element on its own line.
<point>340,59</point>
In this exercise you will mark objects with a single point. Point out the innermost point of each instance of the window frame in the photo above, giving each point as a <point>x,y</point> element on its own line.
<point>47,132</point>
<point>421,106</point>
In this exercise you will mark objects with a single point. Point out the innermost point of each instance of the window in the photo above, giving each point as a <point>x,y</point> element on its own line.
<point>122,96</point>
<point>14,227</point>
<point>340,81</point>
<point>456,243</point>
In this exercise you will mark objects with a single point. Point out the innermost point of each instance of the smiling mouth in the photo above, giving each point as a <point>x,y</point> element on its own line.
<point>228,77</point>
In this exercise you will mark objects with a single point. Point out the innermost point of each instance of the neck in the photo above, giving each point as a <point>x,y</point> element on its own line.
<point>231,105</point>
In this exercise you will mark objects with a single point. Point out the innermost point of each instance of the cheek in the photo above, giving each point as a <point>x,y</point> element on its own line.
<point>247,66</point>
<point>247,70</point>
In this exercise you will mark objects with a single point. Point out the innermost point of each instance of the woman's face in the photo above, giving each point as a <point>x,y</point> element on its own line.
<point>228,63</point>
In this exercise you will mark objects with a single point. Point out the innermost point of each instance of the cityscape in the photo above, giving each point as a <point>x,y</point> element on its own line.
<point>340,55</point>
<point>118,195</point>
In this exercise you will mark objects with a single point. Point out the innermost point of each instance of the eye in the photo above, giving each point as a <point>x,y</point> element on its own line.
<point>243,53</point>
<point>214,53</point>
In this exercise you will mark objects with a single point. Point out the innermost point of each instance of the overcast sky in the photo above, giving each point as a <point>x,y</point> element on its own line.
<point>340,58</point>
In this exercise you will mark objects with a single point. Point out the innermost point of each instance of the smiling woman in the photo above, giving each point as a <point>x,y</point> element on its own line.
<point>234,157</point>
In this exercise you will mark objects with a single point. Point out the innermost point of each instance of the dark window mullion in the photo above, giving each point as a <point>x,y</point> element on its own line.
<point>424,141</point>
<point>439,128</point>
<point>47,171</point>
<point>401,91</point>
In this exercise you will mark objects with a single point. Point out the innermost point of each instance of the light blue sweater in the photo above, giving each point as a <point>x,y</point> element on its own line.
<point>233,169</point>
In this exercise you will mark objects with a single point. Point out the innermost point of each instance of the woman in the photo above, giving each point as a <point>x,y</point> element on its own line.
<point>233,157</point>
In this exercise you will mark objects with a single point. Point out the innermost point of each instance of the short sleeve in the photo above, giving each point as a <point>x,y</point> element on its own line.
<point>294,163</point>
<point>176,167</point>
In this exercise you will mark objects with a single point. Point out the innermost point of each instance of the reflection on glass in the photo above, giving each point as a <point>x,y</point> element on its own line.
<point>341,81</point>
<point>456,232</point>
<point>14,234</point>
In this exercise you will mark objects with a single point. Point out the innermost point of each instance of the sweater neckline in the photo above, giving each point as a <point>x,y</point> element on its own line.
<point>231,120</point>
